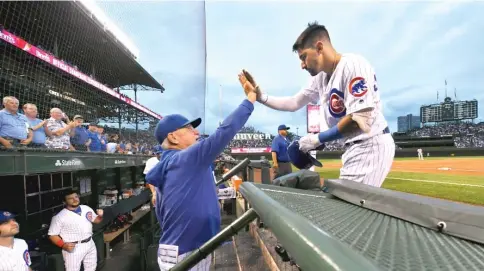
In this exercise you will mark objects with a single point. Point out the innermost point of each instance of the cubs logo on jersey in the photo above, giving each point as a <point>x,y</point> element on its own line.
<point>337,107</point>
<point>27,257</point>
<point>358,86</point>
<point>89,216</point>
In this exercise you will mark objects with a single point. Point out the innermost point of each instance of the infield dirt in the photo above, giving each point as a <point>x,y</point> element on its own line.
<point>454,166</point>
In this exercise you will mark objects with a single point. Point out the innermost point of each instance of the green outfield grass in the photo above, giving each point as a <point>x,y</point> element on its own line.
<point>469,189</point>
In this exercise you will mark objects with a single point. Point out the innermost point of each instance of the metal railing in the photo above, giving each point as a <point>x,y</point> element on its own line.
<point>310,247</point>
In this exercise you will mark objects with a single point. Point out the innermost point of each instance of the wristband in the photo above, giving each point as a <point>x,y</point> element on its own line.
<point>330,135</point>
<point>60,243</point>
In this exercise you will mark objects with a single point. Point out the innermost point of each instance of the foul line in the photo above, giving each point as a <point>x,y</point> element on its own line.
<point>428,181</point>
<point>433,168</point>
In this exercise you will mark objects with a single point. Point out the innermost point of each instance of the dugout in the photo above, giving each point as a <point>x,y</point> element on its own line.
<point>34,180</point>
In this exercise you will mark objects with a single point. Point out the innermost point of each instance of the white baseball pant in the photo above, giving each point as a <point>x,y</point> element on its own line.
<point>85,253</point>
<point>166,263</point>
<point>370,161</point>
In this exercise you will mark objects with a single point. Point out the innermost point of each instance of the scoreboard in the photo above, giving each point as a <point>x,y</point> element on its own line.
<point>448,111</point>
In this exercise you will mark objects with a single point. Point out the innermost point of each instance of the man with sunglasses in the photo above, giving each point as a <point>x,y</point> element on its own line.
<point>187,203</point>
<point>14,252</point>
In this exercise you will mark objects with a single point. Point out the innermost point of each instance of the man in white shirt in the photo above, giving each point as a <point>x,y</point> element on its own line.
<point>351,110</point>
<point>151,163</point>
<point>14,252</point>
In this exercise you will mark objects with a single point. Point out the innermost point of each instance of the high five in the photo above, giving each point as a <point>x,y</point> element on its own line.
<point>351,110</point>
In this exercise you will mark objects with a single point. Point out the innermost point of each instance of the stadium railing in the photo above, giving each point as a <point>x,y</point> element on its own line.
<point>350,226</point>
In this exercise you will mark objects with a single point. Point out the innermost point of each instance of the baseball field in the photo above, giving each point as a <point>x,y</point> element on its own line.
<point>452,178</point>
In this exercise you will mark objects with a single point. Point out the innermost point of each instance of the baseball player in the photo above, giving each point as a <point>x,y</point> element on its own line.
<point>187,205</point>
<point>150,164</point>
<point>351,110</point>
<point>71,230</point>
<point>14,252</point>
<point>420,154</point>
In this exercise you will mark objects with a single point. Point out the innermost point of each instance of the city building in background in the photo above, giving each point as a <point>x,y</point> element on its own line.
<point>408,122</point>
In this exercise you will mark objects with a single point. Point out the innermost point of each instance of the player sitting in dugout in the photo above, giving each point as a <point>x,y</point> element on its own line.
<point>187,202</point>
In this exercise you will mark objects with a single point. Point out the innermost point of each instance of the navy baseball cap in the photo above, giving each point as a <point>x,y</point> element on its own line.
<point>6,216</point>
<point>157,149</point>
<point>300,159</point>
<point>171,123</point>
<point>283,127</point>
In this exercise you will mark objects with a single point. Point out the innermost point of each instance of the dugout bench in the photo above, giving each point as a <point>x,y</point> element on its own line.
<point>109,237</point>
<point>34,181</point>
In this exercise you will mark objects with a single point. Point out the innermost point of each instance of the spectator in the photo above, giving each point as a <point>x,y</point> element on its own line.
<point>79,136</point>
<point>94,137</point>
<point>38,126</point>
<point>15,129</point>
<point>112,143</point>
<point>102,137</point>
<point>59,138</point>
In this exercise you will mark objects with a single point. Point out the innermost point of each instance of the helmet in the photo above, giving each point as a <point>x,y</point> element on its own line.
<point>300,159</point>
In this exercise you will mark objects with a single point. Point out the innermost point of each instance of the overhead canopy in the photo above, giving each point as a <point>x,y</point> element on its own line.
<point>66,28</point>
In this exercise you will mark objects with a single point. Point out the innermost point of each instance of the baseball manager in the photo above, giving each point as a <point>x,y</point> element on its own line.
<point>187,203</point>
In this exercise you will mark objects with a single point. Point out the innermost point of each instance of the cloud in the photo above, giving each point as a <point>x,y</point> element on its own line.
<point>413,46</point>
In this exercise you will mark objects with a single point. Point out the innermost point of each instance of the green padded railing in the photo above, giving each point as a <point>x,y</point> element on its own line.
<point>308,245</point>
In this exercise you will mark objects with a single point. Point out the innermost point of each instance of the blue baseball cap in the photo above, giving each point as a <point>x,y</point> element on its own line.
<point>283,127</point>
<point>6,216</point>
<point>157,149</point>
<point>171,123</point>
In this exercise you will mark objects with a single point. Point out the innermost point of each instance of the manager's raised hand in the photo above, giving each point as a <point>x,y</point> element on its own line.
<point>248,83</point>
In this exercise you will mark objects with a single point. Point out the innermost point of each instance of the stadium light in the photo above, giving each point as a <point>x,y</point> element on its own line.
<point>103,18</point>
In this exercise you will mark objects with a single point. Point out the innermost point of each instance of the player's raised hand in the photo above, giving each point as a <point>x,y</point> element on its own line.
<point>69,247</point>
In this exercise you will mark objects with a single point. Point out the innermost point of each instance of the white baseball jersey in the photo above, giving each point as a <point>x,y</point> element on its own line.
<point>73,227</point>
<point>150,163</point>
<point>351,88</point>
<point>16,258</point>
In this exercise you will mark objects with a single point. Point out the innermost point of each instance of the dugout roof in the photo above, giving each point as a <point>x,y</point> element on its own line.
<point>81,39</point>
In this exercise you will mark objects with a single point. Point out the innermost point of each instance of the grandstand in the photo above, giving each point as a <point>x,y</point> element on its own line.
<point>57,54</point>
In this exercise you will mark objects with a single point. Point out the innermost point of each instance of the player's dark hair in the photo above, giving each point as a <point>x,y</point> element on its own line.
<point>313,33</point>
<point>67,193</point>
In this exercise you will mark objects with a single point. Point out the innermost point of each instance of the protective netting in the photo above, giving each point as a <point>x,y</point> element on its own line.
<point>58,55</point>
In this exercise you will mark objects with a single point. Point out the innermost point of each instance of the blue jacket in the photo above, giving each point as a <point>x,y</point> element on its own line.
<point>187,203</point>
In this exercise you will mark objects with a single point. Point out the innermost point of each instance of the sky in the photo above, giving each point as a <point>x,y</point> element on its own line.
<point>196,50</point>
